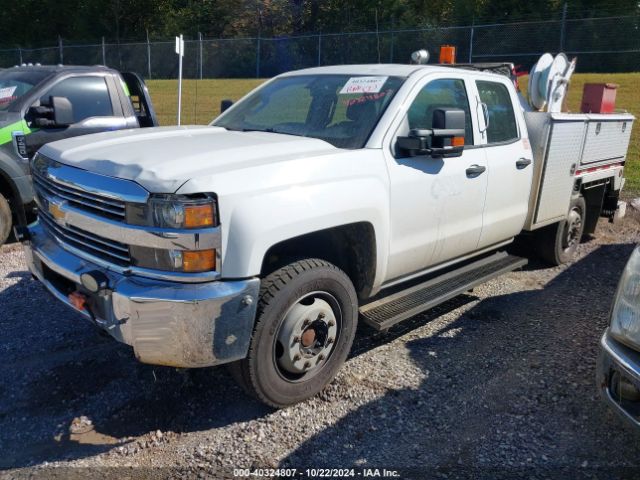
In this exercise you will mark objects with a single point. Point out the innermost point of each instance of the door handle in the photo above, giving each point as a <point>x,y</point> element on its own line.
<point>523,163</point>
<point>475,170</point>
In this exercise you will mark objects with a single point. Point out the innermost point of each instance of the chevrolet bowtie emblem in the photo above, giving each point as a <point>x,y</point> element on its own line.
<point>55,209</point>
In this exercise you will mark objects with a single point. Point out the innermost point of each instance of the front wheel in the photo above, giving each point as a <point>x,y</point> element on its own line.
<point>306,321</point>
<point>557,244</point>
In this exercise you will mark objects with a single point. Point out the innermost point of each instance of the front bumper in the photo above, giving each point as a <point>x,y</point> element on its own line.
<point>166,323</point>
<point>618,371</point>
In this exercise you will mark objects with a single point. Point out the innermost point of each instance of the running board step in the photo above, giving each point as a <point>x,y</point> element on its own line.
<point>386,312</point>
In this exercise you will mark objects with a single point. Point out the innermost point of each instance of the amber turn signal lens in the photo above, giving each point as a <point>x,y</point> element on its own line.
<point>78,300</point>
<point>457,142</point>
<point>199,261</point>
<point>198,216</point>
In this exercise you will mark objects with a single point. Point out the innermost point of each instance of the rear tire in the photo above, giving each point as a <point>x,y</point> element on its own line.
<point>5,220</point>
<point>306,321</point>
<point>557,243</point>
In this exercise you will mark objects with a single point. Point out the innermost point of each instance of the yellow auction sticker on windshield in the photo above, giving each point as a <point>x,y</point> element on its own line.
<point>363,85</point>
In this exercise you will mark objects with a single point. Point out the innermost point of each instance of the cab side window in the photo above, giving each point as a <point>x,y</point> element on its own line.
<point>89,96</point>
<point>502,121</point>
<point>444,93</point>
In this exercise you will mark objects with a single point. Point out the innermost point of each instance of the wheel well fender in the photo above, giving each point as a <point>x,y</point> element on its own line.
<point>352,248</point>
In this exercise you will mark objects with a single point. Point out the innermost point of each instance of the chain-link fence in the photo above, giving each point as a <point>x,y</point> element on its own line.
<point>610,44</point>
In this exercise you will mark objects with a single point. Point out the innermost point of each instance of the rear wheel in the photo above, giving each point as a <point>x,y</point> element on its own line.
<point>5,220</point>
<point>306,322</point>
<point>557,244</point>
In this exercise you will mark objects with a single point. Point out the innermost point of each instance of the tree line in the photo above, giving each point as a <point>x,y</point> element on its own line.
<point>35,23</point>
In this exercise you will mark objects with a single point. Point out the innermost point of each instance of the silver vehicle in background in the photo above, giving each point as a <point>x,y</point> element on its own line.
<point>618,376</point>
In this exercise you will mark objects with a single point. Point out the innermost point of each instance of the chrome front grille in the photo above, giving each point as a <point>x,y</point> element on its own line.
<point>109,250</point>
<point>85,212</point>
<point>63,191</point>
<point>97,204</point>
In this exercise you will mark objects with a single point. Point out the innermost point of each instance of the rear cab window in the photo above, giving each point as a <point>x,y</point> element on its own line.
<point>502,127</point>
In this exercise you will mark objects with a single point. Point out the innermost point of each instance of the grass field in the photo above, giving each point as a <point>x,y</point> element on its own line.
<point>201,103</point>
<point>200,98</point>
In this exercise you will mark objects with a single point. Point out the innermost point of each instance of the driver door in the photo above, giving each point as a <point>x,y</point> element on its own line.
<point>436,203</point>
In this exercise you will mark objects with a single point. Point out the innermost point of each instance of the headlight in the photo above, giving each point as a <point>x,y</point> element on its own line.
<point>625,316</point>
<point>188,261</point>
<point>174,211</point>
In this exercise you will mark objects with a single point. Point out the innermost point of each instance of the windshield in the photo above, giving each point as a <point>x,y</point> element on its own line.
<point>340,109</point>
<point>16,83</point>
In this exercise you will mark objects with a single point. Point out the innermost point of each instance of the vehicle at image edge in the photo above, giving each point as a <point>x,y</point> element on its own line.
<point>618,376</point>
<point>41,104</point>
<point>324,196</point>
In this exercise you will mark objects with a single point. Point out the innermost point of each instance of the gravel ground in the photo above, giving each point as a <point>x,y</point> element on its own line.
<point>497,383</point>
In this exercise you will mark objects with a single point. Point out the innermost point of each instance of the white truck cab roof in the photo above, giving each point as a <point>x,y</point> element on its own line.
<point>388,69</point>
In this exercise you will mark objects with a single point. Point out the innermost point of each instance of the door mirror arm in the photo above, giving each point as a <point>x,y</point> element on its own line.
<point>225,105</point>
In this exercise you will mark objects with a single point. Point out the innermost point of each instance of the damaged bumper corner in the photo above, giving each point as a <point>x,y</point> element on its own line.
<point>167,323</point>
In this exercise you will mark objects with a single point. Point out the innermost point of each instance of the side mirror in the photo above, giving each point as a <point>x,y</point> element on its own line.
<point>62,111</point>
<point>444,140</point>
<point>53,112</point>
<point>225,105</point>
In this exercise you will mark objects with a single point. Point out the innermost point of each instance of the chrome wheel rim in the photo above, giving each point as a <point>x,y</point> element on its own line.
<point>307,336</point>
<point>573,229</point>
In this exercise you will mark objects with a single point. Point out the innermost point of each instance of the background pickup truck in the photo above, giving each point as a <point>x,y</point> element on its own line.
<point>40,104</point>
<point>324,197</point>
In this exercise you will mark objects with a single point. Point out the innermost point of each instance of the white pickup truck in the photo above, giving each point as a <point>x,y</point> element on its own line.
<point>261,239</point>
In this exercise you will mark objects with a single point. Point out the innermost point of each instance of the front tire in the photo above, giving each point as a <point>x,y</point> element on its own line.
<point>306,321</point>
<point>5,220</point>
<point>557,244</point>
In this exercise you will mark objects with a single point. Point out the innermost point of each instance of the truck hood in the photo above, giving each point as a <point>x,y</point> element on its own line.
<point>161,159</point>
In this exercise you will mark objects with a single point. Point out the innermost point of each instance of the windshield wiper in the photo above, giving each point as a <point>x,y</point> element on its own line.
<point>267,130</point>
<point>273,130</point>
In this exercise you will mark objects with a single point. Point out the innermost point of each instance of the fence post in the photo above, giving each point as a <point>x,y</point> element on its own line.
<point>200,55</point>
<point>104,53</point>
<point>258,43</point>
<point>563,26</point>
<point>377,35</point>
<point>258,57</point>
<point>393,39</point>
<point>60,49</point>
<point>319,48</point>
<point>471,41</point>
<point>148,56</point>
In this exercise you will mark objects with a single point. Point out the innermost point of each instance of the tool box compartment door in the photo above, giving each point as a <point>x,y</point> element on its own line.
<point>607,138</point>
